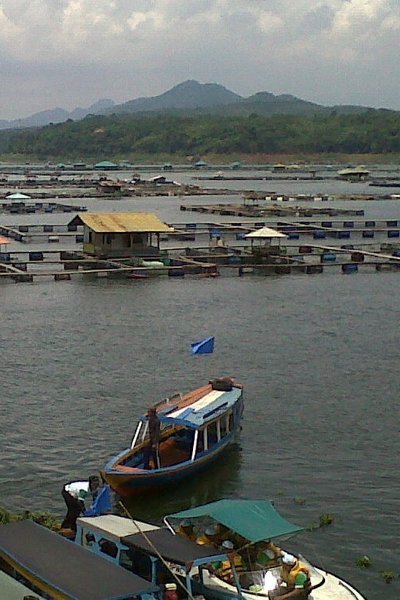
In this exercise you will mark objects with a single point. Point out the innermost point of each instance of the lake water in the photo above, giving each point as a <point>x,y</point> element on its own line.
<point>318,356</point>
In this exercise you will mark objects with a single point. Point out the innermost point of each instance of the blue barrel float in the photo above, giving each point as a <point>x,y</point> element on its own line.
<point>368,234</point>
<point>349,268</point>
<point>370,223</point>
<point>343,235</point>
<point>176,272</point>
<point>35,256</point>
<point>293,236</point>
<point>328,257</point>
<point>319,235</point>
<point>311,269</point>
<point>393,233</point>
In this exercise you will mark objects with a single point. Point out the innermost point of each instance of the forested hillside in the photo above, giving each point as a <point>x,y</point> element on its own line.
<point>98,137</point>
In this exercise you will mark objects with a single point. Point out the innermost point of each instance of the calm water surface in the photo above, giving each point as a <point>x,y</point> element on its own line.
<point>318,356</point>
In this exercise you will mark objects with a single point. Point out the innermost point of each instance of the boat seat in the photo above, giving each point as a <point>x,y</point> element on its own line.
<point>126,469</point>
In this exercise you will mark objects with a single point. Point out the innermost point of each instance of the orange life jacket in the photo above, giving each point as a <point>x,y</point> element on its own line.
<point>289,577</point>
<point>225,571</point>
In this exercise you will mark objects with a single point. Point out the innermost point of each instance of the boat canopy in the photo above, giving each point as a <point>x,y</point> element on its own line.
<point>254,520</point>
<point>199,413</point>
<point>171,547</point>
<point>65,566</point>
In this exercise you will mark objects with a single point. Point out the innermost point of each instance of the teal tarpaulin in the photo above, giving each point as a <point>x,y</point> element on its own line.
<point>255,520</point>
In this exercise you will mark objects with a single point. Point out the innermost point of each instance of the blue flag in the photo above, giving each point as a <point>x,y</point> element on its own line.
<point>204,346</point>
<point>102,505</point>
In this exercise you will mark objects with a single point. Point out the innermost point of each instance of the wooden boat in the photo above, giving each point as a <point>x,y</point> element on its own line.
<point>195,428</point>
<point>150,551</point>
<point>159,555</point>
<point>58,569</point>
<point>250,524</point>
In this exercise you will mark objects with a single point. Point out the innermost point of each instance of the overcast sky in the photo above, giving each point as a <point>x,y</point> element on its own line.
<point>70,53</point>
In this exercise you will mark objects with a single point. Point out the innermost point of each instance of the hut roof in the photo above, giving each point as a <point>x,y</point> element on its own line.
<point>122,223</point>
<point>17,196</point>
<point>265,233</point>
<point>361,170</point>
<point>105,164</point>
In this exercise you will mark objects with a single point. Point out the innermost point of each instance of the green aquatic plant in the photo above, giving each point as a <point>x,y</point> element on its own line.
<point>326,519</point>
<point>299,501</point>
<point>364,562</point>
<point>46,519</point>
<point>388,576</point>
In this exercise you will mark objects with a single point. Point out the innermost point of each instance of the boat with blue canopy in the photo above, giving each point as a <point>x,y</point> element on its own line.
<point>248,527</point>
<point>194,429</point>
<point>57,569</point>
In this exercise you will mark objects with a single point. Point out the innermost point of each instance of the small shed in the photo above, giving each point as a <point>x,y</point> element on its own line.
<point>106,165</point>
<point>266,235</point>
<point>109,187</point>
<point>121,234</point>
<point>354,173</point>
<point>18,196</point>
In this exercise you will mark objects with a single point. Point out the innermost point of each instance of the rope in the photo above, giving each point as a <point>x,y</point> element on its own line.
<point>146,537</point>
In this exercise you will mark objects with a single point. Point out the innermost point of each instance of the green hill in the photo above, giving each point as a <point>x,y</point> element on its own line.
<point>129,136</point>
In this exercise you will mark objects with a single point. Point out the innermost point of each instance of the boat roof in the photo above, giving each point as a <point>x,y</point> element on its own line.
<point>254,520</point>
<point>200,410</point>
<point>66,566</point>
<point>115,526</point>
<point>171,547</point>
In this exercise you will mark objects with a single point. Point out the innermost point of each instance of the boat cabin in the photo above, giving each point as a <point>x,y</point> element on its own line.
<point>150,551</point>
<point>51,565</point>
<point>191,427</point>
<point>121,234</point>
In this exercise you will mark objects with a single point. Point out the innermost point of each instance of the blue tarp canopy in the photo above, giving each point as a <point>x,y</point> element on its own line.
<point>254,520</point>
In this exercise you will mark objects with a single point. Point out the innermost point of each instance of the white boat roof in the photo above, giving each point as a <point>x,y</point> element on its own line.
<point>199,405</point>
<point>208,407</point>
<point>116,526</point>
<point>265,233</point>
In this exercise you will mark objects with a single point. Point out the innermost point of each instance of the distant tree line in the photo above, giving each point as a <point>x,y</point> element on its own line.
<point>99,137</point>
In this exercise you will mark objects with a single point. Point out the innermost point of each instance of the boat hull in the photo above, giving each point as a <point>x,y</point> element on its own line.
<point>127,484</point>
<point>127,480</point>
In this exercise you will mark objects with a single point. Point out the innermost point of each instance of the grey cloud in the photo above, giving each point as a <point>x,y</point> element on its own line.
<point>70,52</point>
<point>319,19</point>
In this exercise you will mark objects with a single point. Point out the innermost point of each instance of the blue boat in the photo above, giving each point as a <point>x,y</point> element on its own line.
<point>195,428</point>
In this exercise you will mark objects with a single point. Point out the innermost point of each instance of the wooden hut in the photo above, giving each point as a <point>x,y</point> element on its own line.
<point>112,235</point>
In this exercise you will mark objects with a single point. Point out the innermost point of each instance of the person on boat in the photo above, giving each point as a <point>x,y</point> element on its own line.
<point>186,530</point>
<point>295,583</point>
<point>224,569</point>
<point>76,494</point>
<point>151,452</point>
<point>267,553</point>
<point>208,537</point>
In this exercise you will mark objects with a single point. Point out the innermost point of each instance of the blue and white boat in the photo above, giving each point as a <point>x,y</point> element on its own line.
<point>195,428</point>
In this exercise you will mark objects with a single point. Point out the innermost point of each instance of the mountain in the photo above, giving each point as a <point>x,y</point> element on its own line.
<point>190,98</point>
<point>56,115</point>
<point>187,95</point>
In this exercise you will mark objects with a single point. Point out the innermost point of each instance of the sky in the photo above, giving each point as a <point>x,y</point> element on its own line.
<point>69,53</point>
